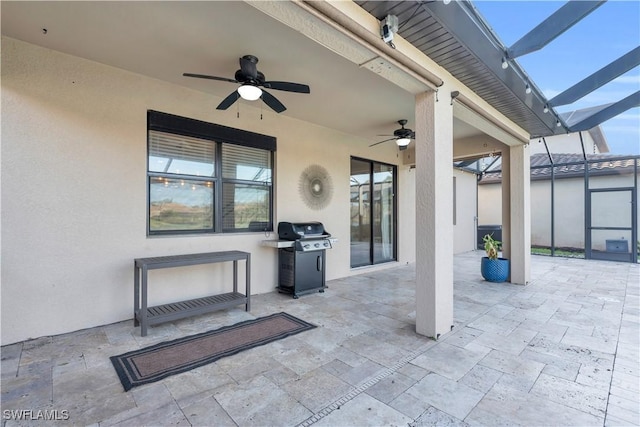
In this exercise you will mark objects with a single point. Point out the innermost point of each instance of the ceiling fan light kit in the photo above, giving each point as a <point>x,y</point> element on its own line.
<point>402,136</point>
<point>403,142</point>
<point>250,80</point>
<point>250,92</point>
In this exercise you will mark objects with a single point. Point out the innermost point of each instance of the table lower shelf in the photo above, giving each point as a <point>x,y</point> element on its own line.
<point>193,307</point>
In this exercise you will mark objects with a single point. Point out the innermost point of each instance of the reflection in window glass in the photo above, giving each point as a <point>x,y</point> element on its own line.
<point>178,204</point>
<point>372,201</point>
<point>360,213</point>
<point>383,218</point>
<point>245,207</point>
<point>179,154</point>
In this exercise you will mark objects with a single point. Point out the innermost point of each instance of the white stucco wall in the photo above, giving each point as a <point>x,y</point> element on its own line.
<point>464,228</point>
<point>569,210</point>
<point>611,209</point>
<point>74,192</point>
<point>564,143</point>
<point>490,204</point>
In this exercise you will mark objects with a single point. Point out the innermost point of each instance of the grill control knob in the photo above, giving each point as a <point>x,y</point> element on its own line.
<point>317,245</point>
<point>326,244</point>
<point>306,246</point>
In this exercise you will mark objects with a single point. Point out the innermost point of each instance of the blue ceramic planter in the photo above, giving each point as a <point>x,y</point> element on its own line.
<point>494,270</point>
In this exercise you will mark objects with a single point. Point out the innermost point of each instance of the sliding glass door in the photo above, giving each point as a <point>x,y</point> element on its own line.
<point>373,212</point>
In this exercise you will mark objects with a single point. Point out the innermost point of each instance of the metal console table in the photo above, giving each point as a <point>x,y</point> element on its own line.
<point>144,316</point>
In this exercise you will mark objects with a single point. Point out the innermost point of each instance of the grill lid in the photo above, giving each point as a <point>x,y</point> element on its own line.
<point>302,230</point>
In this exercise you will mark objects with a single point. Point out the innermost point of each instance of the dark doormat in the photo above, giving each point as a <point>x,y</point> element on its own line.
<point>168,358</point>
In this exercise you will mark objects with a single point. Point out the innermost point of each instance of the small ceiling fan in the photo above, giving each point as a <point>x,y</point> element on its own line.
<point>402,136</point>
<point>251,80</point>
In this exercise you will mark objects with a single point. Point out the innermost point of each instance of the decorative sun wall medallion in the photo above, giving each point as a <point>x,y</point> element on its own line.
<point>316,187</point>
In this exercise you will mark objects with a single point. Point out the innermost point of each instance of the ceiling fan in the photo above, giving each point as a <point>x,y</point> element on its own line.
<point>251,80</point>
<point>402,136</point>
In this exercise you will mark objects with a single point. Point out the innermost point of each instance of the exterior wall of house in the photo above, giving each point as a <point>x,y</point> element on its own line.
<point>611,209</point>
<point>568,144</point>
<point>74,193</point>
<point>490,204</point>
<point>569,210</point>
<point>465,211</point>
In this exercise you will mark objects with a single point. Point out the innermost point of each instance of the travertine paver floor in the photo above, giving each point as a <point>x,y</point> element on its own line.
<point>563,350</point>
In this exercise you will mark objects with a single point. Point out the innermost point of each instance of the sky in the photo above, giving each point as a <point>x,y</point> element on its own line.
<point>603,36</point>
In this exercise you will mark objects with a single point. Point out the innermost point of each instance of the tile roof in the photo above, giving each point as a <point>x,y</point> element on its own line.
<point>571,166</point>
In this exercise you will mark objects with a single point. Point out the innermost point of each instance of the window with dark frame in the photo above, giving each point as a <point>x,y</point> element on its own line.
<point>207,178</point>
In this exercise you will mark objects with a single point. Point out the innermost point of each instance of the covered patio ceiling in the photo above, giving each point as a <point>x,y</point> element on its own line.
<point>163,40</point>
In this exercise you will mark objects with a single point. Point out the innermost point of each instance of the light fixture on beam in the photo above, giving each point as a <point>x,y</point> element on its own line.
<point>527,89</point>
<point>249,92</point>
<point>505,63</point>
<point>454,95</point>
<point>545,109</point>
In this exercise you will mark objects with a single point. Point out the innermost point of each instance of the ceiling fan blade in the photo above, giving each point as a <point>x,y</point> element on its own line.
<point>386,140</point>
<point>249,67</point>
<point>272,102</point>
<point>203,76</point>
<point>288,86</point>
<point>228,101</point>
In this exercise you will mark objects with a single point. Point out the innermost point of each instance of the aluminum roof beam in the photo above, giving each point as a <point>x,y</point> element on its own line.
<point>607,112</point>
<point>559,22</point>
<point>465,163</point>
<point>456,36</point>
<point>459,19</point>
<point>598,79</point>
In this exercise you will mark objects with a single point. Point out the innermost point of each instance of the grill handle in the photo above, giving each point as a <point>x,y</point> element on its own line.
<point>319,262</point>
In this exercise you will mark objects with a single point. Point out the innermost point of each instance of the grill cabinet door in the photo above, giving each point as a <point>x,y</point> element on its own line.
<point>309,270</point>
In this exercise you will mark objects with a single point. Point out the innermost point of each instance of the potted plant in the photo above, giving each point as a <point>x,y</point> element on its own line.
<point>492,267</point>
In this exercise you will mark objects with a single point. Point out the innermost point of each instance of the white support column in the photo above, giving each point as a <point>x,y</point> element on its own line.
<point>434,211</point>
<point>516,213</point>
<point>506,202</point>
<point>520,214</point>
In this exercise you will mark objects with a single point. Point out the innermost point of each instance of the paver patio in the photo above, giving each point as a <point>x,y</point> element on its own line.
<point>563,350</point>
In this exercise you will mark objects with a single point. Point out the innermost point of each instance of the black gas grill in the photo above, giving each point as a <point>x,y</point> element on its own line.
<point>302,265</point>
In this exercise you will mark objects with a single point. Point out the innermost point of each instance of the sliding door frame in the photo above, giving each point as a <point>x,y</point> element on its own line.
<point>394,223</point>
